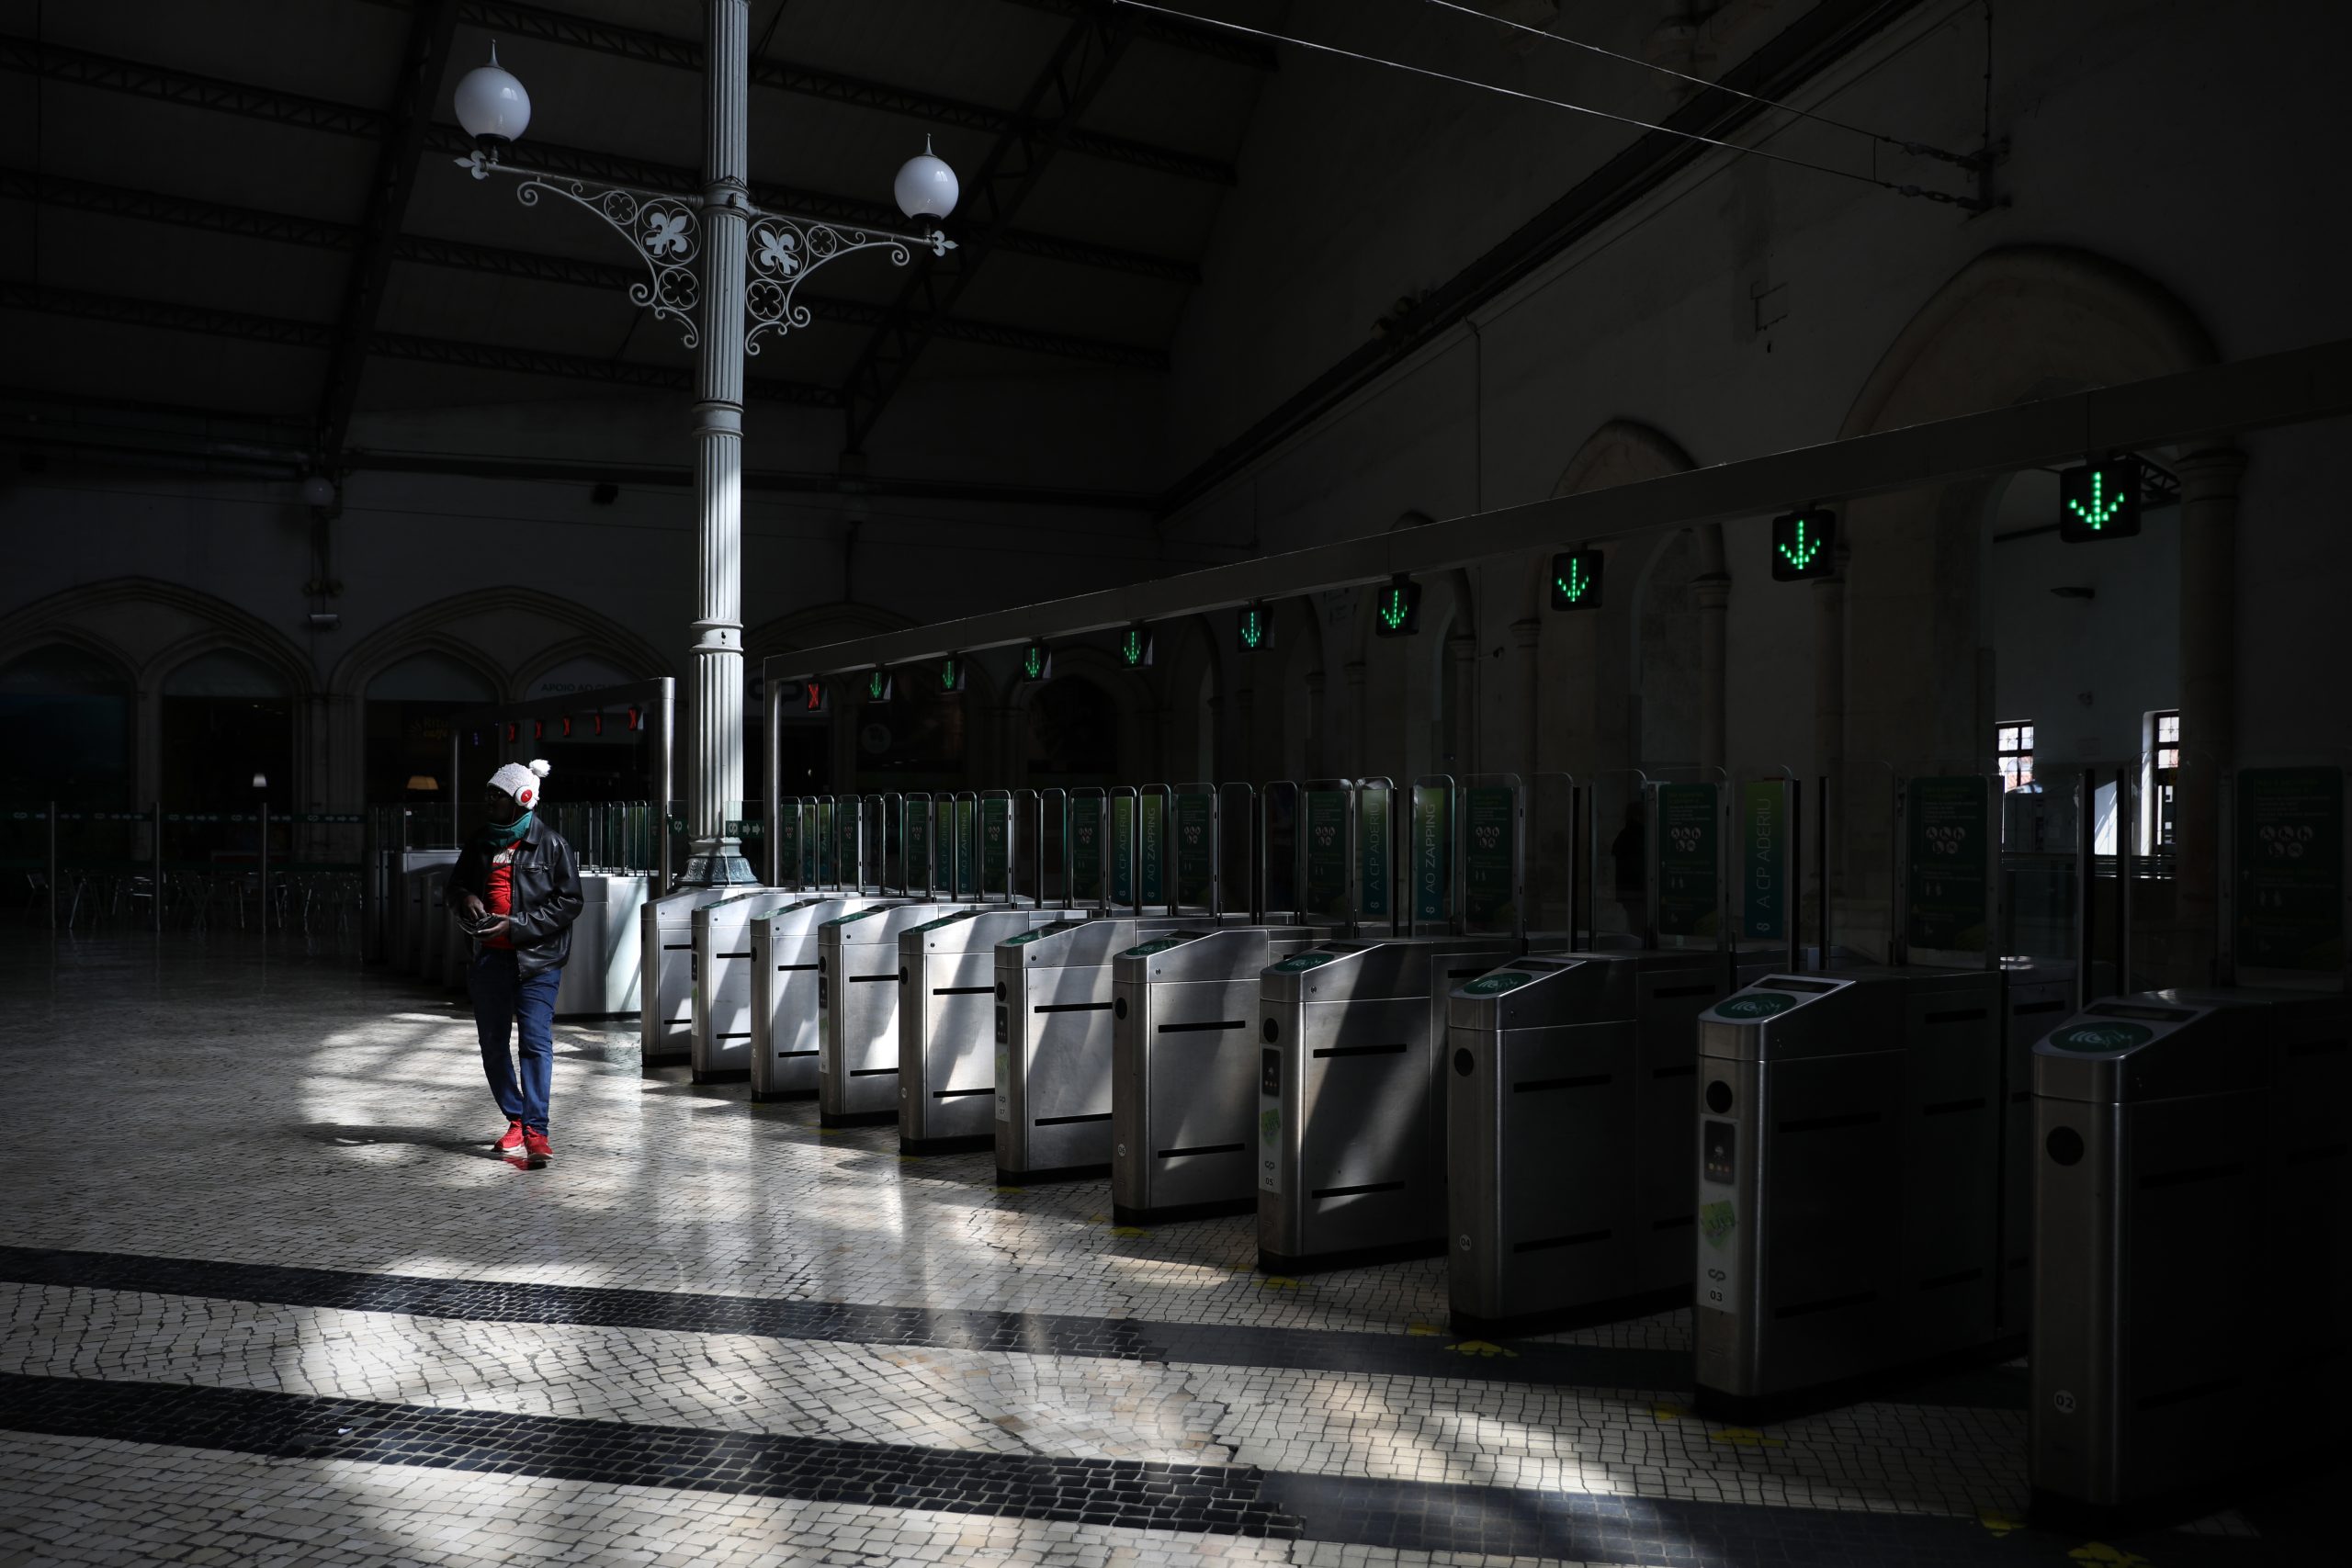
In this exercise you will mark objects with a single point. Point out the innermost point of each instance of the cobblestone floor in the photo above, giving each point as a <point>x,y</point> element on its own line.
<point>267,1294</point>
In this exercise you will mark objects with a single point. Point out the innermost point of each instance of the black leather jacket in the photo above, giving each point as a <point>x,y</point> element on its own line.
<point>546,886</point>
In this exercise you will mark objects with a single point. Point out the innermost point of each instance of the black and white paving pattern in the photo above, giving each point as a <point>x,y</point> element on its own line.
<point>267,1294</point>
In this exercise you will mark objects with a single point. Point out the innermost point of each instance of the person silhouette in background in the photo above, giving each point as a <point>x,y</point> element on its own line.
<point>517,883</point>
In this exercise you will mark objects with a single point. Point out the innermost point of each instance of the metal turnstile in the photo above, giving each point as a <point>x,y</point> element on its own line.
<point>1350,1110</point>
<point>1848,1179</point>
<point>858,982</point>
<point>1570,1136</point>
<point>422,874</point>
<point>603,976</point>
<point>1185,1070</point>
<point>2037,993</point>
<point>946,1019</point>
<point>2190,1287</point>
<point>784,993</point>
<point>665,974</point>
<point>1053,1046</point>
<point>718,1031</point>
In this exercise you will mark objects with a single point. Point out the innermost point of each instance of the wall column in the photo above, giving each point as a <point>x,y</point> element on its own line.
<point>1461,704</point>
<point>1527,746</point>
<point>2209,718</point>
<point>1711,596</point>
<point>1359,722</point>
<point>1311,751</point>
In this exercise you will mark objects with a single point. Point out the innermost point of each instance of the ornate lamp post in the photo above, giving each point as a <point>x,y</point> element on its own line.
<point>725,271</point>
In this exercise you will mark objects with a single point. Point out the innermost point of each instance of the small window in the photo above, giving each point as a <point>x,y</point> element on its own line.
<point>2013,749</point>
<point>2164,775</point>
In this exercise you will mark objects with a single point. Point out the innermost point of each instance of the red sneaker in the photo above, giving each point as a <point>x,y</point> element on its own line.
<point>535,1144</point>
<point>513,1143</point>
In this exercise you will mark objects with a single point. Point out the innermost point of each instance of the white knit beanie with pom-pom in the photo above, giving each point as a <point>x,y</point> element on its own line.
<point>520,781</point>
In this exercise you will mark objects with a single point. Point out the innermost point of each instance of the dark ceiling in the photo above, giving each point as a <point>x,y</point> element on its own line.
<point>257,205</point>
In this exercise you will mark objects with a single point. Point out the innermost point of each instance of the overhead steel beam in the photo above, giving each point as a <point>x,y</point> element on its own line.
<point>508,19</point>
<point>1081,62</point>
<point>1208,42</point>
<point>425,250</point>
<point>1778,69</point>
<point>2215,401</point>
<point>422,69</point>
<point>287,334</point>
<point>83,68</point>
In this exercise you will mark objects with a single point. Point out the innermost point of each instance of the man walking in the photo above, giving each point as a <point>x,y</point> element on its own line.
<point>518,884</point>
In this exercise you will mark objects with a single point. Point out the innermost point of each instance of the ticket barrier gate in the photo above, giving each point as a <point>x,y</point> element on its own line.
<point>1185,1070</point>
<point>858,982</point>
<point>1569,1137</point>
<point>1053,1046</point>
<point>2190,1289</point>
<point>1351,1113</point>
<point>1849,1191</point>
<point>422,874</point>
<point>665,950</point>
<point>719,970</point>
<point>784,1036</point>
<point>603,976</point>
<point>946,1058</point>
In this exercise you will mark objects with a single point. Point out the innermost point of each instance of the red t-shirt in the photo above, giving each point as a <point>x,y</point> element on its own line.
<point>500,894</point>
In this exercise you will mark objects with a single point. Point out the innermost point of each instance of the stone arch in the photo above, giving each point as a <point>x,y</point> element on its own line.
<point>2016,323</point>
<point>1131,699</point>
<point>1579,676</point>
<point>1190,678</point>
<point>821,626</point>
<point>507,634</point>
<point>148,628</point>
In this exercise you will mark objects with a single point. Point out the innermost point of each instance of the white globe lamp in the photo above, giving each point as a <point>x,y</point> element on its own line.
<point>926,187</point>
<point>491,105</point>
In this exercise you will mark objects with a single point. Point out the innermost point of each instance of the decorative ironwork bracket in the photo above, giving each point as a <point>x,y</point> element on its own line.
<point>664,229</point>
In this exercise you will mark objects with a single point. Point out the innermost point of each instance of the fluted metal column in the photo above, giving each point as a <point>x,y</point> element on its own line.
<point>719,450</point>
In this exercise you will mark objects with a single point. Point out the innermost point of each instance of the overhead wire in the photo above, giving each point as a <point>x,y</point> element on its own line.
<point>1921,192</point>
<point>1903,143</point>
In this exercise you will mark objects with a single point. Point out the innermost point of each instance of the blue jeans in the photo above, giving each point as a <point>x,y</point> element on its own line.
<point>503,1000</point>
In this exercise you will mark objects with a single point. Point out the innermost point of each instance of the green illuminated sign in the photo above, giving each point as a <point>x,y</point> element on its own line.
<point>1949,828</point>
<point>1327,853</point>
<point>1576,581</point>
<point>1396,609</point>
<point>1036,663</point>
<point>1688,901</point>
<point>2100,501</point>
<point>2289,873</point>
<point>951,674</point>
<point>1123,849</point>
<point>1253,628</point>
<point>1371,855</point>
<point>1803,546</point>
<point>878,686</point>
<point>1135,647</point>
<point>1195,842</point>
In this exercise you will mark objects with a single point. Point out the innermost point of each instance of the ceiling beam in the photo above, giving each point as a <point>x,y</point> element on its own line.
<point>285,333</point>
<point>1081,63</point>
<point>425,250</point>
<point>422,69</point>
<point>2296,386</point>
<point>509,18</point>
<point>1777,71</point>
<point>1208,42</point>
<point>82,68</point>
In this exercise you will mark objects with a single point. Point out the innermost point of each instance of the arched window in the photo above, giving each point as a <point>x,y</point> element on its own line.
<point>407,710</point>
<point>227,736</point>
<point>66,714</point>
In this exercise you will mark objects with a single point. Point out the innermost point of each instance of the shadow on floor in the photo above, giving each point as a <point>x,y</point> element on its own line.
<point>350,1135</point>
